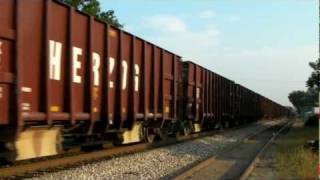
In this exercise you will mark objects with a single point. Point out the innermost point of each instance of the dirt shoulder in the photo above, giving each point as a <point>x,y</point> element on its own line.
<point>287,158</point>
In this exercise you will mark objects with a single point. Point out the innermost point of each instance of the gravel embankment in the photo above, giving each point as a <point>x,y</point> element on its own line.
<point>161,163</point>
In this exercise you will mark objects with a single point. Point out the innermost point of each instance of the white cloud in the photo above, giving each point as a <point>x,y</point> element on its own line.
<point>166,23</point>
<point>270,70</point>
<point>175,35</point>
<point>207,14</point>
<point>232,18</point>
<point>190,43</point>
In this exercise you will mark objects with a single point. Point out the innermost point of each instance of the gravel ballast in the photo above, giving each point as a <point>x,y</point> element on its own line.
<point>160,163</point>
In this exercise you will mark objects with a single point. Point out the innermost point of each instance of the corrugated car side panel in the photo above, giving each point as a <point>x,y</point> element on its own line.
<point>80,63</point>
<point>190,89</point>
<point>210,94</point>
<point>198,91</point>
<point>227,93</point>
<point>157,82</point>
<point>7,40</point>
<point>210,99</point>
<point>214,92</point>
<point>215,97</point>
<point>223,95</point>
<point>207,90</point>
<point>191,68</point>
<point>220,103</point>
<point>230,98</point>
<point>98,68</point>
<point>58,51</point>
<point>179,89</point>
<point>138,77</point>
<point>195,92</point>
<point>31,58</point>
<point>148,69</point>
<point>176,80</point>
<point>199,94</point>
<point>114,77</point>
<point>126,78</point>
<point>203,95</point>
<point>169,60</point>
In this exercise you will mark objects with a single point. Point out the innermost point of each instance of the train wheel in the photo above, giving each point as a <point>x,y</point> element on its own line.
<point>163,134</point>
<point>187,131</point>
<point>226,124</point>
<point>188,128</point>
<point>219,126</point>
<point>236,123</point>
<point>149,134</point>
<point>39,142</point>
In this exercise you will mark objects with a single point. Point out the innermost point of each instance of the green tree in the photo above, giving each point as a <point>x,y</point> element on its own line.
<point>298,99</point>
<point>109,17</point>
<point>93,8</point>
<point>314,79</point>
<point>303,99</point>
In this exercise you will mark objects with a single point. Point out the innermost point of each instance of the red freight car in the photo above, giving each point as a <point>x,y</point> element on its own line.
<point>200,92</point>
<point>209,102</point>
<point>209,98</point>
<point>67,78</point>
<point>65,71</point>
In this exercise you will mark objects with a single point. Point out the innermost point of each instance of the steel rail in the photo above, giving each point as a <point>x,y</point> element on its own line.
<point>200,165</point>
<point>246,173</point>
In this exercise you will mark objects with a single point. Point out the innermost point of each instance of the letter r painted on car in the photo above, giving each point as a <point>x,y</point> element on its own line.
<point>1,51</point>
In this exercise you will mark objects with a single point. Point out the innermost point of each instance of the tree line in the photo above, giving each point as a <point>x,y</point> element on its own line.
<point>93,7</point>
<point>303,100</point>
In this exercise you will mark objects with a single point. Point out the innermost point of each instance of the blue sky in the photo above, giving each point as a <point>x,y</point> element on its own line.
<point>264,45</point>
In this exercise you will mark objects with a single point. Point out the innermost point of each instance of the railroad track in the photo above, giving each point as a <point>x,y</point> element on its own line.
<point>255,160</point>
<point>234,163</point>
<point>26,168</point>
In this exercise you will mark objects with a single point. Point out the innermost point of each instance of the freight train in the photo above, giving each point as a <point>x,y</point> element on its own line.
<point>68,78</point>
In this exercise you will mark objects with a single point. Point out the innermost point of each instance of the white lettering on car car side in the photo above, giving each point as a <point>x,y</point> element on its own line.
<point>111,68</point>
<point>1,51</point>
<point>95,68</point>
<point>55,53</point>
<point>55,66</point>
<point>76,52</point>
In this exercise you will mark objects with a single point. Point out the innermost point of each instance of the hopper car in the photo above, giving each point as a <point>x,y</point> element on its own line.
<point>69,79</point>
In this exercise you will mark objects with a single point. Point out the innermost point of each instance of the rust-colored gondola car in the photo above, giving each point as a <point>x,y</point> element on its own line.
<point>65,71</point>
<point>200,93</point>
<point>67,78</point>
<point>208,98</point>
